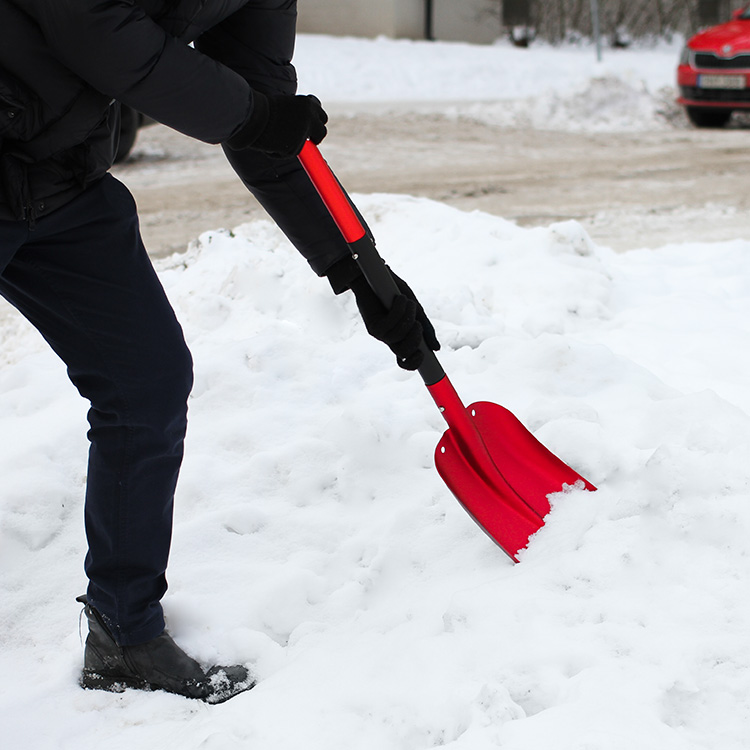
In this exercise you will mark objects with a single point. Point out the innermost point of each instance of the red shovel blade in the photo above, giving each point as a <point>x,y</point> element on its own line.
<point>530,469</point>
<point>486,496</point>
<point>499,472</point>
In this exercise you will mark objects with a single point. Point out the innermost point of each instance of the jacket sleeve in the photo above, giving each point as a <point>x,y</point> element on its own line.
<point>258,43</point>
<point>120,51</point>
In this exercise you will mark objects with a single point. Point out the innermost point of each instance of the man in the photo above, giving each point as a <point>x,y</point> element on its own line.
<point>72,261</point>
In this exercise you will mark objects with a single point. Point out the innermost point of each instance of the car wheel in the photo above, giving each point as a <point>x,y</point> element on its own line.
<point>708,118</point>
<point>129,122</point>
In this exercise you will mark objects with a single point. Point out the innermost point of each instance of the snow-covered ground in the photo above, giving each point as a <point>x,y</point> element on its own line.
<point>551,87</point>
<point>544,87</point>
<point>313,537</point>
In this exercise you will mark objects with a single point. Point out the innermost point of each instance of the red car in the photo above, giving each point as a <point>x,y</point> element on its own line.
<point>714,72</point>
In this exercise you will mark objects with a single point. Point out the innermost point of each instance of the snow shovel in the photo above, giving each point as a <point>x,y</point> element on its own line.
<point>499,472</point>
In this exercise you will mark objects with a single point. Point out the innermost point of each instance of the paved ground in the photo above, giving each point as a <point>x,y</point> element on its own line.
<point>629,190</point>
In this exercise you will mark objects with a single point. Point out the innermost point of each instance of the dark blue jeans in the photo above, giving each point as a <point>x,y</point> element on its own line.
<point>83,279</point>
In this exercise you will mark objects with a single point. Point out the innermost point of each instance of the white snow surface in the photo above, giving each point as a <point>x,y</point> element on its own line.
<point>315,541</point>
<point>557,88</point>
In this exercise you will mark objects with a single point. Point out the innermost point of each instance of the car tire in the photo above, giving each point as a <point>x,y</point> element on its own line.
<point>129,124</point>
<point>708,118</point>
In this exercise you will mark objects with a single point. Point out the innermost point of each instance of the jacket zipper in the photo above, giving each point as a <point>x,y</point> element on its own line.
<point>29,216</point>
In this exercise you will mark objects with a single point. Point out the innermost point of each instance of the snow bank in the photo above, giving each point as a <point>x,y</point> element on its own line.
<point>553,88</point>
<point>315,541</point>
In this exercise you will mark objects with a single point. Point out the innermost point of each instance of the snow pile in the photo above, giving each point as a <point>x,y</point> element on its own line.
<point>604,105</point>
<point>315,541</point>
<point>545,87</point>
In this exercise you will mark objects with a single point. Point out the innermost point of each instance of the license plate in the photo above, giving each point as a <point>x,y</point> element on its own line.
<point>721,82</point>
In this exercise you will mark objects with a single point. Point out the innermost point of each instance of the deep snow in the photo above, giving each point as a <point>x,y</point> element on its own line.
<point>314,539</point>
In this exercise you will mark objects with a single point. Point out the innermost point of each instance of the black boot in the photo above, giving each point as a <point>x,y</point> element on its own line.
<point>159,664</point>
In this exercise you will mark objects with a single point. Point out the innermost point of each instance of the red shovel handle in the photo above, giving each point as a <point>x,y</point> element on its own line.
<point>361,244</point>
<point>332,193</point>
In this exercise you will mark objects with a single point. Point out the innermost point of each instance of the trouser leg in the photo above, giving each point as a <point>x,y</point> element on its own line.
<point>83,278</point>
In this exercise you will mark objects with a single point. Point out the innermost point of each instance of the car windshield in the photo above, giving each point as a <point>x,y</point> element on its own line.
<point>746,13</point>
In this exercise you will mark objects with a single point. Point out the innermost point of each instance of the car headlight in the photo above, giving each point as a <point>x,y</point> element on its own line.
<point>685,56</point>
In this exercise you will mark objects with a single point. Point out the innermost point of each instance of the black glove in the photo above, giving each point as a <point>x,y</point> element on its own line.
<point>402,327</point>
<point>280,125</point>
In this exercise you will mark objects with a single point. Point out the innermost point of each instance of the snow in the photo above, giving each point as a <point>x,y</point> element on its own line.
<point>314,539</point>
<point>560,88</point>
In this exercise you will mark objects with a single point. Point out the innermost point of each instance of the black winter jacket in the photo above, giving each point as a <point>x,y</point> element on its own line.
<point>65,65</point>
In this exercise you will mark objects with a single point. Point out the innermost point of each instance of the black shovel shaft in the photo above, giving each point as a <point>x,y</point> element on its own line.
<point>379,278</point>
<point>361,245</point>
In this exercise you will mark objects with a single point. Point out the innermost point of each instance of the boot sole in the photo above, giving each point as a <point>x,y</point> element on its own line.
<point>91,680</point>
<point>111,683</point>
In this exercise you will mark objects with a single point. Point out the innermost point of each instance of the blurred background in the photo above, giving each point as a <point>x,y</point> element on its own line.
<point>483,21</point>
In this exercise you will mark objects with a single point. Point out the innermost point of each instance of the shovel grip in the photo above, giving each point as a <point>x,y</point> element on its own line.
<point>336,200</point>
<point>361,244</point>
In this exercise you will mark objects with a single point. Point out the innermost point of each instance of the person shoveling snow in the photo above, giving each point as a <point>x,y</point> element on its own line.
<point>73,262</point>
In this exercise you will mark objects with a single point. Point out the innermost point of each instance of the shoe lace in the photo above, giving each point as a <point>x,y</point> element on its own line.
<point>83,599</point>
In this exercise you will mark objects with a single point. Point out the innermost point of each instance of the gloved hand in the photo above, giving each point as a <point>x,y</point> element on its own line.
<point>280,125</point>
<point>402,327</point>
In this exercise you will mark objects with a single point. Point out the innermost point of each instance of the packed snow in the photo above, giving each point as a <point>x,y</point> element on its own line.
<point>315,541</point>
